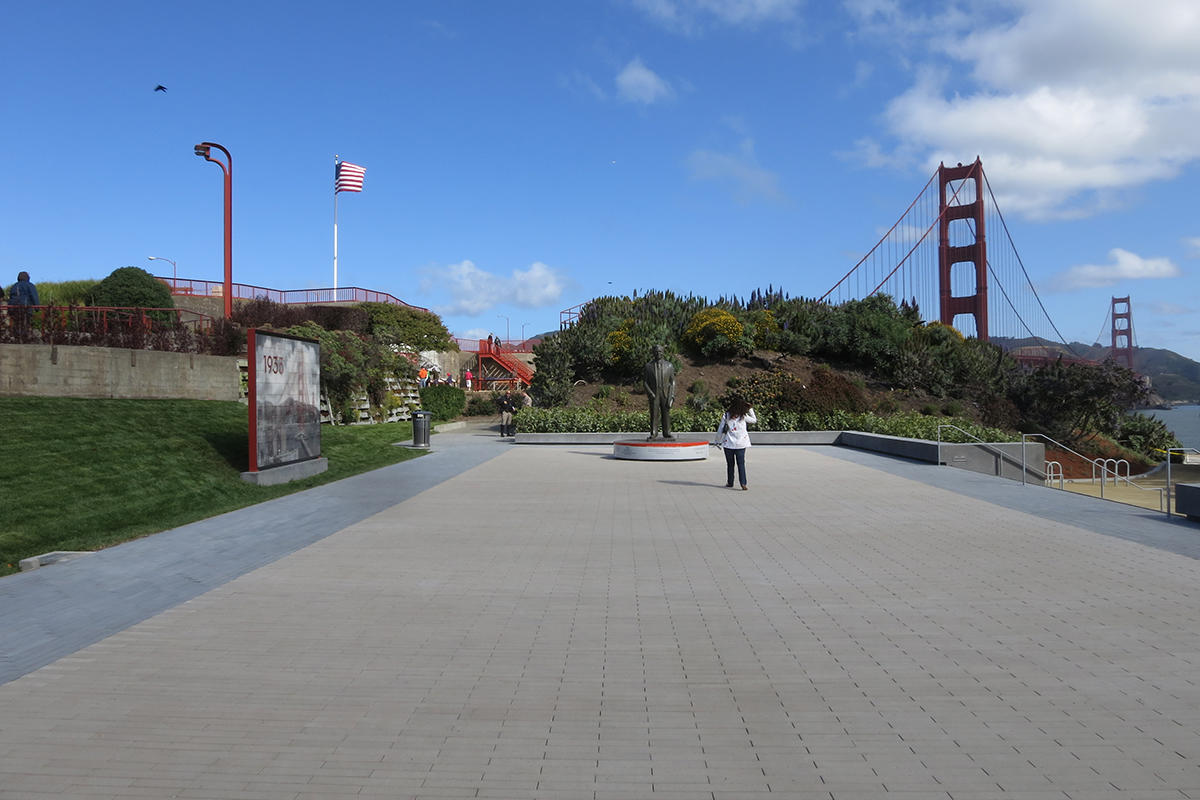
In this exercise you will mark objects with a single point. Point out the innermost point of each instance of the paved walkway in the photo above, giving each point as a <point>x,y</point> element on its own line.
<point>852,627</point>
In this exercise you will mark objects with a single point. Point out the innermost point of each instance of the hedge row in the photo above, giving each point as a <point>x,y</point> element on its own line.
<point>910,425</point>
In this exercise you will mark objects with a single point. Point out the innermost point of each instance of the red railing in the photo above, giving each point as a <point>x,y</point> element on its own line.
<point>502,353</point>
<point>187,287</point>
<point>504,345</point>
<point>568,317</point>
<point>82,324</point>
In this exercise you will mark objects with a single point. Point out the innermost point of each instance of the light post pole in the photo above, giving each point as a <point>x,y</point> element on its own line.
<point>506,324</point>
<point>523,324</point>
<point>204,150</point>
<point>174,270</point>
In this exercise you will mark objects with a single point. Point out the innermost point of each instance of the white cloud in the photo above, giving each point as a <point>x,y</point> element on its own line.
<point>475,333</point>
<point>1073,102</point>
<point>537,286</point>
<point>1123,266</point>
<point>741,169</point>
<point>637,83</point>
<point>474,291</point>
<point>582,83</point>
<point>1193,246</point>
<point>691,16</point>
<point>1169,309</point>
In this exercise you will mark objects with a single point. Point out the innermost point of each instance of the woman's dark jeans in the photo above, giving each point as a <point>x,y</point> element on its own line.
<point>740,456</point>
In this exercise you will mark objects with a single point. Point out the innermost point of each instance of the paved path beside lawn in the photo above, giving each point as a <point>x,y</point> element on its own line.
<point>551,623</point>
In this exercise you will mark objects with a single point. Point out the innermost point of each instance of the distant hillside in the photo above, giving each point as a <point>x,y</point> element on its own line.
<point>1175,378</point>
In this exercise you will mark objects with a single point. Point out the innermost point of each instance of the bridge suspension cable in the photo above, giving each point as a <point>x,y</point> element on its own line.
<point>904,263</point>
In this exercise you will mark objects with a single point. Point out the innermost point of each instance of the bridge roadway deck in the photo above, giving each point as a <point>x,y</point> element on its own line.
<point>501,622</point>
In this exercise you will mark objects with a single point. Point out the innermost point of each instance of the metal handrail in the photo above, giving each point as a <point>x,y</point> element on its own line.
<point>1103,463</point>
<point>1054,470</point>
<point>1116,477</point>
<point>1168,451</point>
<point>1003,455</point>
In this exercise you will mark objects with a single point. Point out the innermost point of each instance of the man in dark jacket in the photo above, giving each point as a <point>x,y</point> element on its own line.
<point>22,295</point>
<point>507,405</point>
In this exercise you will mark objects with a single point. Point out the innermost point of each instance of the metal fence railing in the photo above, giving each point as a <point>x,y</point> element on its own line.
<point>1110,470</point>
<point>101,325</point>
<point>188,287</point>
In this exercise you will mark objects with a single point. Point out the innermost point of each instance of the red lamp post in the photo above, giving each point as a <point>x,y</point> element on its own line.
<point>204,150</point>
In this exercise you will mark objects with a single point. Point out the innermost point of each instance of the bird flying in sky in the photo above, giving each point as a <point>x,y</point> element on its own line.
<point>160,88</point>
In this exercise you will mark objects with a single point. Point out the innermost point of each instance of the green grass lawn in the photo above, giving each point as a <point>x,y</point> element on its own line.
<point>87,474</point>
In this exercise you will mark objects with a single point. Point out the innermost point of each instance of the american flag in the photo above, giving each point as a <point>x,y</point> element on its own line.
<point>349,177</point>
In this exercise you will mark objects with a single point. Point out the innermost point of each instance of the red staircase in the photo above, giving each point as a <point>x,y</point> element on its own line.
<point>495,351</point>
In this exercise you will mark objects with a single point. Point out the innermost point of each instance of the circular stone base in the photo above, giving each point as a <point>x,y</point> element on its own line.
<point>660,450</point>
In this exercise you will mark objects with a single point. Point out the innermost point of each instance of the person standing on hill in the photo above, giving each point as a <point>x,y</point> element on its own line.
<point>21,296</point>
<point>734,438</point>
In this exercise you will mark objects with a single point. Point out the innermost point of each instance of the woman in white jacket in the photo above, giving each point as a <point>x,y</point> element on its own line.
<point>733,438</point>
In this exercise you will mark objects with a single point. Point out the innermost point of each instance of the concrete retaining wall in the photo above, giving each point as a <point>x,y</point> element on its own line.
<point>43,370</point>
<point>1003,459</point>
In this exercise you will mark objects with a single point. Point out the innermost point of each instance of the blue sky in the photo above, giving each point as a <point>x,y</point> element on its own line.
<point>524,157</point>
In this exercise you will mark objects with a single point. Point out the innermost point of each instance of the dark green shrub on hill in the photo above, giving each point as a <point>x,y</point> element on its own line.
<point>444,402</point>
<point>351,363</point>
<point>224,338</point>
<point>132,287</point>
<point>554,374</point>
<point>1068,402</point>
<point>827,391</point>
<point>481,406</point>
<point>264,313</point>
<point>340,318</point>
<point>1146,435</point>
<point>404,325</point>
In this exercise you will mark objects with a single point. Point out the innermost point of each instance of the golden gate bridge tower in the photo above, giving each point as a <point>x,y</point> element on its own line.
<point>1122,331</point>
<point>938,258</point>
<point>961,201</point>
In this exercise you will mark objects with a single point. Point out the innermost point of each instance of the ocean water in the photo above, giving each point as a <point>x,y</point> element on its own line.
<point>1184,422</point>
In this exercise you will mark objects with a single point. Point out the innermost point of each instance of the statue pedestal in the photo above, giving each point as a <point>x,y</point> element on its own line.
<point>660,450</point>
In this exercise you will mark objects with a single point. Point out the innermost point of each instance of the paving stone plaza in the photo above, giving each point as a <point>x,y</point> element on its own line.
<point>500,621</point>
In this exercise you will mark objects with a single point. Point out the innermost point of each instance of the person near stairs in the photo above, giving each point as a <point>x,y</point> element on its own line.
<point>507,405</point>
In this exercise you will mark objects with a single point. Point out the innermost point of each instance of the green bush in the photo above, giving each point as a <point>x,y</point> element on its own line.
<point>67,293</point>
<point>444,402</point>
<point>351,363</point>
<point>132,287</point>
<point>553,371</point>
<point>909,425</point>
<point>1146,435</point>
<point>480,406</point>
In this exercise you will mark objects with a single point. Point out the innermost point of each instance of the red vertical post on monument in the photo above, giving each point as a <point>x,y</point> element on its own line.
<point>961,201</point>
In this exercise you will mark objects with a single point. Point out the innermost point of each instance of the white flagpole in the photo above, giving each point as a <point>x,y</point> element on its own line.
<point>335,194</point>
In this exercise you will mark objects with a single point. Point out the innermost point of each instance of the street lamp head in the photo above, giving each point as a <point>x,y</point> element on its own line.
<point>203,150</point>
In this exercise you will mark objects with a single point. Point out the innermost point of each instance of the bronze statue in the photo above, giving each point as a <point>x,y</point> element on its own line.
<point>660,388</point>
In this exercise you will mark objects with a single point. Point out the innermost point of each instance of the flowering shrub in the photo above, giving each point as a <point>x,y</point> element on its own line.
<point>714,332</point>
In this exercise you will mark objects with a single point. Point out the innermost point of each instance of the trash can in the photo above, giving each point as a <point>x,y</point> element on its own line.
<point>420,423</point>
